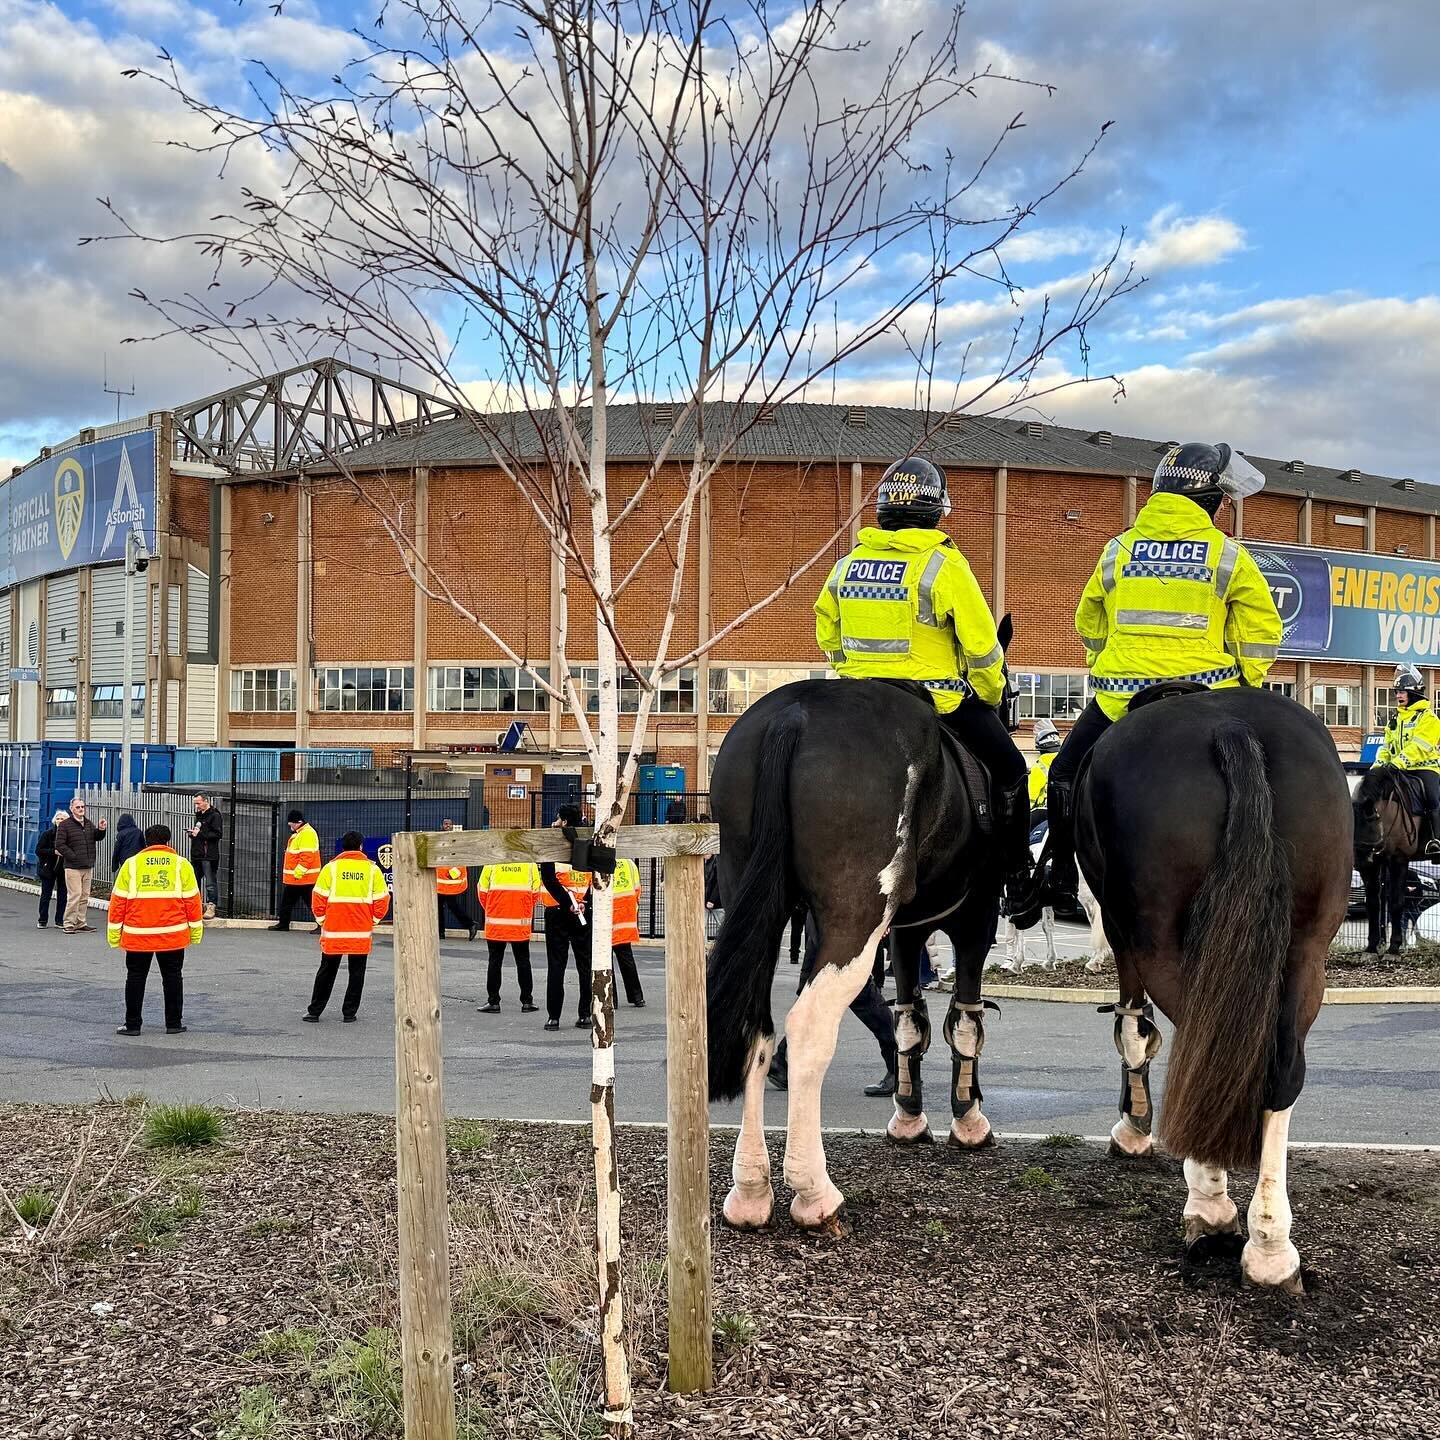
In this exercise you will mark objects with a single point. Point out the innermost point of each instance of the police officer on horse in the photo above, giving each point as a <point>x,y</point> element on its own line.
<point>1412,743</point>
<point>904,605</point>
<point>1171,599</point>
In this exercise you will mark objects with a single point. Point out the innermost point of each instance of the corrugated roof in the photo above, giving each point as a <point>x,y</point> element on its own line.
<point>810,432</point>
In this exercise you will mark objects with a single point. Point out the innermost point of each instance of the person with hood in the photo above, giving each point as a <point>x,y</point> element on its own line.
<point>51,873</point>
<point>129,840</point>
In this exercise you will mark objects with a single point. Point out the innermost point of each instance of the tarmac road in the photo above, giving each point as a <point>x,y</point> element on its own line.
<point>1374,1071</point>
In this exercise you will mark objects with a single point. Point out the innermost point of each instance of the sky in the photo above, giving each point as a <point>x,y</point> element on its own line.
<point>1273,170</point>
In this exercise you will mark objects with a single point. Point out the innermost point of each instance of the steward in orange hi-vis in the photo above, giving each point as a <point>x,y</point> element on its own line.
<point>508,893</point>
<point>302,855</point>
<point>452,880</point>
<point>577,882</point>
<point>350,899</point>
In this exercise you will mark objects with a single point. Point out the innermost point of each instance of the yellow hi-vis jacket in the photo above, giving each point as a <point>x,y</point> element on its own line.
<point>1040,778</point>
<point>903,605</point>
<point>1412,739</point>
<point>1174,599</point>
<point>155,903</point>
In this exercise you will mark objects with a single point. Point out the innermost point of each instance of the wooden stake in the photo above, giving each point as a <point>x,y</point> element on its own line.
<point>688,1125</point>
<point>426,1332</point>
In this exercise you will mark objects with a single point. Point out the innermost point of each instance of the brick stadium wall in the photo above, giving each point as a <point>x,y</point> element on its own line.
<point>190,508</point>
<point>487,543</point>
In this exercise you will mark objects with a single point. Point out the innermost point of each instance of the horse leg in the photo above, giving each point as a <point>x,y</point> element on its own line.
<point>1212,1224</point>
<point>1396,898</point>
<point>1047,929</point>
<point>841,970</point>
<point>965,1028</point>
<point>751,1198</point>
<point>1270,1258</point>
<point>1014,943</point>
<point>908,1125</point>
<point>1138,1040</point>
<point>1373,934</point>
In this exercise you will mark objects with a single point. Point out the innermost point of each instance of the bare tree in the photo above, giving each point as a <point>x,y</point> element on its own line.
<point>594,201</point>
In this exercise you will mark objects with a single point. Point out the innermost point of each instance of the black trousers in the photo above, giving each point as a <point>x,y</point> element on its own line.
<point>563,936</point>
<point>325,983</point>
<point>797,933</point>
<point>52,882</point>
<point>455,904</point>
<point>629,975</point>
<point>290,897</point>
<point>137,971</point>
<point>522,970</point>
<point>1091,725</point>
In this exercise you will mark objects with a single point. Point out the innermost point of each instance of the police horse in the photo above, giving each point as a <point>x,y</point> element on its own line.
<point>849,796</point>
<point>1215,829</point>
<point>1389,834</point>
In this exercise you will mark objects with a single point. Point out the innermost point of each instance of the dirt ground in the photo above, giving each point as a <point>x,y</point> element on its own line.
<point>1418,966</point>
<point>245,1291</point>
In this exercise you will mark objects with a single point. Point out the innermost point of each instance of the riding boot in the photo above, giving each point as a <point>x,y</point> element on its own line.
<point>1012,818</point>
<point>1062,891</point>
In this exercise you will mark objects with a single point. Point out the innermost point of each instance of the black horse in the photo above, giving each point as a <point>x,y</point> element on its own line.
<point>1388,836</point>
<point>846,795</point>
<point>1215,830</point>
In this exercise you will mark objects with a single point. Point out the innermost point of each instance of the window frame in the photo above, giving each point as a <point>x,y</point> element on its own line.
<point>114,705</point>
<point>1025,700</point>
<point>370,682</point>
<point>69,709</point>
<point>1320,705</point>
<point>721,689</point>
<point>248,691</point>
<point>456,687</point>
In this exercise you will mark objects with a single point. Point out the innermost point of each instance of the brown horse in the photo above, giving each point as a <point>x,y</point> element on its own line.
<point>1215,830</point>
<point>1388,836</point>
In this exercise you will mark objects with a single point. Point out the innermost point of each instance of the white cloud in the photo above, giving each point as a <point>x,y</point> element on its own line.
<point>1175,242</point>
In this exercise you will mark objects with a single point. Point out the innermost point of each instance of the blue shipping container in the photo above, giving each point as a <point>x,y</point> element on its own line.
<point>19,803</point>
<point>211,765</point>
<point>658,784</point>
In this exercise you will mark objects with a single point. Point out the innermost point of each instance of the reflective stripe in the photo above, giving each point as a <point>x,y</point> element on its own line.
<point>985,661</point>
<point>1229,554</point>
<point>875,592</point>
<point>156,929</point>
<point>1172,619</point>
<point>347,934</point>
<point>1118,685</point>
<point>1254,651</point>
<point>833,583</point>
<point>1164,570</point>
<point>834,656</point>
<point>1107,565</point>
<point>1093,643</point>
<point>854,645</point>
<point>959,686</point>
<point>931,574</point>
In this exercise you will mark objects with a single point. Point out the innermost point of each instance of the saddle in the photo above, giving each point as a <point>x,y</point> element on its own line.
<point>1168,690</point>
<point>973,775</point>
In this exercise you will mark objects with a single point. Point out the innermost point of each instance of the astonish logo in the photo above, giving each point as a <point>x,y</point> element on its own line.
<point>126,511</point>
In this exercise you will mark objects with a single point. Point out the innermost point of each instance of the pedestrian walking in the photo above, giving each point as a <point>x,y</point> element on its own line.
<point>205,836</point>
<point>301,868</point>
<point>625,928</point>
<point>129,841</point>
<point>797,931</point>
<point>507,896</point>
<point>155,915</point>
<point>76,837</point>
<point>451,883</point>
<point>567,929</point>
<point>50,872</point>
<point>349,899</point>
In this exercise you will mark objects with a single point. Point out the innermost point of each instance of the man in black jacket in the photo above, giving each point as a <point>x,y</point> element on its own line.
<point>205,836</point>
<point>51,873</point>
<point>567,928</point>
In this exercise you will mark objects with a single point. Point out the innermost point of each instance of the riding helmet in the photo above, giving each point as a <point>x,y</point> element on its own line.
<point>1047,737</point>
<point>1407,677</point>
<point>913,496</point>
<point>1194,471</point>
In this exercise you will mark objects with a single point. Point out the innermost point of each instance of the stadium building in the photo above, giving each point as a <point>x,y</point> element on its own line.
<point>277,607</point>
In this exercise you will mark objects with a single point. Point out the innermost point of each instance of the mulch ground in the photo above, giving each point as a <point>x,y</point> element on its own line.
<point>1030,1290</point>
<point>1420,966</point>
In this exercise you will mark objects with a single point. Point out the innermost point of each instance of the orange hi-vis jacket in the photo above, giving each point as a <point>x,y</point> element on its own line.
<point>302,857</point>
<point>507,893</point>
<point>451,880</point>
<point>155,903</point>
<point>626,924</point>
<point>577,882</point>
<point>350,899</point>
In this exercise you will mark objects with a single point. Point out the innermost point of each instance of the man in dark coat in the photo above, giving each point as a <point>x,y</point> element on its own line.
<point>51,873</point>
<point>129,840</point>
<point>205,836</point>
<point>76,837</point>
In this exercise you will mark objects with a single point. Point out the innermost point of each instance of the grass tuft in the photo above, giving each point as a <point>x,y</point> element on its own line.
<point>936,1230</point>
<point>1038,1178</point>
<point>1062,1141</point>
<point>364,1377</point>
<point>259,1416</point>
<point>297,1344</point>
<point>35,1207</point>
<point>273,1225</point>
<point>469,1137</point>
<point>736,1328</point>
<point>183,1127</point>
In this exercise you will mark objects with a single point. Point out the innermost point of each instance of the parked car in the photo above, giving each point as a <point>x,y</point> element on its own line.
<point>1424,874</point>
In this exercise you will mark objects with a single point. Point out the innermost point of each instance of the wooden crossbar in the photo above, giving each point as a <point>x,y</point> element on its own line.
<point>496,847</point>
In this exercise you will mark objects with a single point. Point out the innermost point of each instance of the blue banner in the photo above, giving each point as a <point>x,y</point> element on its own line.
<point>76,508</point>
<point>1351,605</point>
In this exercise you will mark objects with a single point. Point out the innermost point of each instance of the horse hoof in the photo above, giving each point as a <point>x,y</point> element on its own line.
<point>1369,957</point>
<point>820,1211</point>
<point>1205,1242</point>
<point>748,1212</point>
<point>1128,1143</point>
<point>1279,1270</point>
<point>1393,951</point>
<point>969,1133</point>
<point>906,1129</point>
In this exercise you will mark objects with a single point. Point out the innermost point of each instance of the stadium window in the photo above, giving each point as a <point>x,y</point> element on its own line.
<point>60,702</point>
<point>105,702</point>
<point>1334,704</point>
<point>487,689</point>
<point>1280,687</point>
<point>4,702</point>
<point>1051,697</point>
<point>264,692</point>
<point>734,688</point>
<point>677,691</point>
<point>1384,711</point>
<point>372,689</point>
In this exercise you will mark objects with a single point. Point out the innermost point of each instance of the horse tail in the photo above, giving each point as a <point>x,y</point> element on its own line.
<point>1237,938</point>
<point>742,961</point>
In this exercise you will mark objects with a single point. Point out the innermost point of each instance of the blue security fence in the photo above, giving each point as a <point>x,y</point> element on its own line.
<point>218,765</point>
